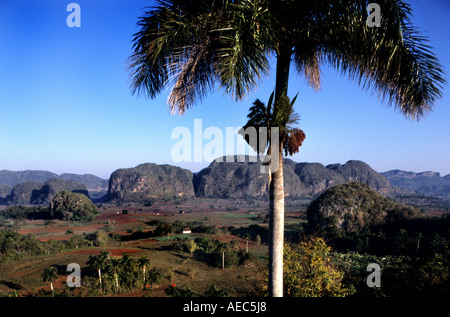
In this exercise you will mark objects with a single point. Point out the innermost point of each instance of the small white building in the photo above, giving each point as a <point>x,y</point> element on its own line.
<point>186,230</point>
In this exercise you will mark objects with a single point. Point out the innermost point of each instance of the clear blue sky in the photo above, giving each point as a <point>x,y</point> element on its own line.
<point>66,106</point>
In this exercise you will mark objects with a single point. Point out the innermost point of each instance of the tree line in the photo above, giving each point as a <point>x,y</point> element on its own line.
<point>15,246</point>
<point>114,275</point>
<point>214,252</point>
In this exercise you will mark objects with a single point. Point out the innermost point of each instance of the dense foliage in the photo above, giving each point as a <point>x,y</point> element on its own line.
<point>352,207</point>
<point>24,212</point>
<point>15,246</point>
<point>310,272</point>
<point>73,206</point>
<point>364,227</point>
<point>354,217</point>
<point>212,251</point>
<point>124,273</point>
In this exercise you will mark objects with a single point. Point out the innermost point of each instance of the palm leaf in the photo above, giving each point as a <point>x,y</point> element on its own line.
<point>191,45</point>
<point>392,60</point>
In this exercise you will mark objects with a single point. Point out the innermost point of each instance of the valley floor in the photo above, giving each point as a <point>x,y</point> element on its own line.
<point>23,277</point>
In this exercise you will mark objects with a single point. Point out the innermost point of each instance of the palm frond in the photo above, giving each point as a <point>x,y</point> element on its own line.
<point>392,60</point>
<point>191,45</point>
<point>242,60</point>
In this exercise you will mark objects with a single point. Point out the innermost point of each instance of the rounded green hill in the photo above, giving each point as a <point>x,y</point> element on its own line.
<point>73,206</point>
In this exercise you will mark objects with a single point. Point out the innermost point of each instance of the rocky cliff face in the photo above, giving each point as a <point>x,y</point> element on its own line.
<point>24,193</point>
<point>224,179</point>
<point>5,190</point>
<point>316,177</point>
<point>232,177</point>
<point>149,181</point>
<point>56,185</point>
<point>357,171</point>
<point>36,193</point>
<point>96,186</point>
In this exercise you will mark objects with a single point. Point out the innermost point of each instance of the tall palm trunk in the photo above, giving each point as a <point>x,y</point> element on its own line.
<point>276,231</point>
<point>223,260</point>
<point>276,189</point>
<point>143,271</point>
<point>100,276</point>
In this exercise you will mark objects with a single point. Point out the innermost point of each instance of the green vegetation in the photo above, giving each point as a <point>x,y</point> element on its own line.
<point>125,273</point>
<point>212,251</point>
<point>229,258</point>
<point>49,275</point>
<point>229,43</point>
<point>25,212</point>
<point>364,227</point>
<point>73,206</point>
<point>310,272</point>
<point>15,246</point>
<point>355,217</point>
<point>352,207</point>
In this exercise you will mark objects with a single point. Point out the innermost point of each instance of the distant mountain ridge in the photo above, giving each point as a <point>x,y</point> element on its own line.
<point>236,177</point>
<point>424,182</point>
<point>39,187</point>
<point>221,179</point>
<point>10,178</point>
<point>36,193</point>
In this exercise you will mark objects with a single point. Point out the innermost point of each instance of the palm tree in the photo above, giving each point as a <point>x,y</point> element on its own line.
<point>143,262</point>
<point>98,262</point>
<point>192,45</point>
<point>128,272</point>
<point>247,239</point>
<point>49,275</point>
<point>105,255</point>
<point>69,232</point>
<point>223,247</point>
<point>114,268</point>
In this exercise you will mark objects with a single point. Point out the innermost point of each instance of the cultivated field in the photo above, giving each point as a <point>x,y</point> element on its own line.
<point>239,217</point>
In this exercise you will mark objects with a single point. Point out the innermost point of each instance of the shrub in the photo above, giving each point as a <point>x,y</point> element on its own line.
<point>309,271</point>
<point>156,276</point>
